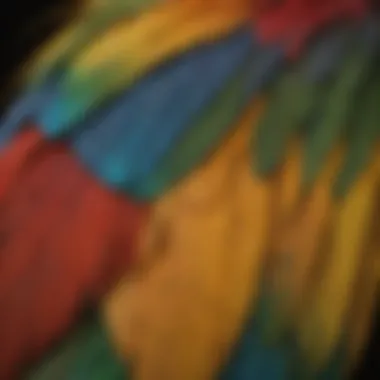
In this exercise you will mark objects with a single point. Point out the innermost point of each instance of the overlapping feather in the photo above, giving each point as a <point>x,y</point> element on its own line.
<point>257,266</point>
<point>65,240</point>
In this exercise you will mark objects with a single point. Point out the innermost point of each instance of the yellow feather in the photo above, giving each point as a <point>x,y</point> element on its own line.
<point>180,317</point>
<point>297,242</point>
<point>135,37</point>
<point>363,308</point>
<point>132,48</point>
<point>66,42</point>
<point>290,181</point>
<point>321,329</point>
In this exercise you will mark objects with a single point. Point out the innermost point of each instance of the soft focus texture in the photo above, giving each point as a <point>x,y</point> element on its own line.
<point>189,194</point>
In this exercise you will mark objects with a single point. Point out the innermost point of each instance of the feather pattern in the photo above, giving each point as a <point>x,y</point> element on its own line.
<point>201,266</point>
<point>167,166</point>
<point>56,224</point>
<point>170,99</point>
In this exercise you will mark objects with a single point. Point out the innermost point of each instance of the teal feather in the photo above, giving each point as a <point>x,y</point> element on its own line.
<point>253,359</point>
<point>24,108</point>
<point>256,358</point>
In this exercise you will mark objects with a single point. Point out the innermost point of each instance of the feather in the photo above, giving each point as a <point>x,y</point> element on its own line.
<point>241,266</point>
<point>340,100</point>
<point>57,247</point>
<point>290,182</point>
<point>212,126</point>
<point>94,19</point>
<point>14,157</point>
<point>306,81</point>
<point>21,112</point>
<point>195,254</point>
<point>90,79</point>
<point>84,354</point>
<point>296,250</point>
<point>252,359</point>
<point>362,139</point>
<point>122,154</point>
<point>362,311</point>
<point>328,311</point>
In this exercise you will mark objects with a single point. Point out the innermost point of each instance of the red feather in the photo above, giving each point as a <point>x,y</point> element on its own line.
<point>64,239</point>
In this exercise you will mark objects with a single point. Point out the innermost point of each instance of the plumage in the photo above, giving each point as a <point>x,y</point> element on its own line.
<point>206,191</point>
<point>129,152</point>
<point>57,223</point>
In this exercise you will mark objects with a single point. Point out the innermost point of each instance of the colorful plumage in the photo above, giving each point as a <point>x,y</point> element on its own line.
<point>189,190</point>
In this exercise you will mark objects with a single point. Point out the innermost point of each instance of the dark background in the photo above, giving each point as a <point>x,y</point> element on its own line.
<point>23,25</point>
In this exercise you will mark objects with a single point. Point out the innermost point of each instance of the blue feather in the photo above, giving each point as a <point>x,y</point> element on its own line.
<point>259,70</point>
<point>129,137</point>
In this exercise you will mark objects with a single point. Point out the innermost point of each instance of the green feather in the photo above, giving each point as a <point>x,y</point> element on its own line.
<point>84,30</point>
<point>293,101</point>
<point>86,354</point>
<point>363,139</point>
<point>338,111</point>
